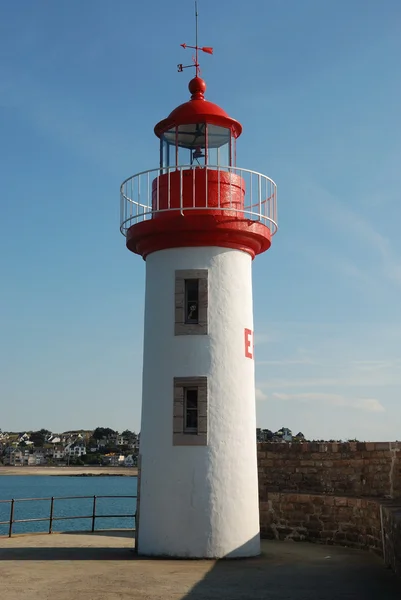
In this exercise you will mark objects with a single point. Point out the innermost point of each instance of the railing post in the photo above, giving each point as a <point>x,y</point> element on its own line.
<point>93,513</point>
<point>181,191</point>
<point>10,529</point>
<point>51,515</point>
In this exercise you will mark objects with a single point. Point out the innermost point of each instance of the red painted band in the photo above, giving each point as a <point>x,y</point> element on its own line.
<point>191,230</point>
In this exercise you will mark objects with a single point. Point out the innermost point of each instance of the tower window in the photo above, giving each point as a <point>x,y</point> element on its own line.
<point>190,411</point>
<point>191,302</point>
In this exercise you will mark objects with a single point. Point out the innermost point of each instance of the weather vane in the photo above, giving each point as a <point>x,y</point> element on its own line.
<point>206,49</point>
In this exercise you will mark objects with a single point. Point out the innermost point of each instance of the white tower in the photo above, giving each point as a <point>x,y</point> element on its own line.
<point>198,221</point>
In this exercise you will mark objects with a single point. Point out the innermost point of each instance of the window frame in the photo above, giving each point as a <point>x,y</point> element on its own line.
<point>182,435</point>
<point>181,325</point>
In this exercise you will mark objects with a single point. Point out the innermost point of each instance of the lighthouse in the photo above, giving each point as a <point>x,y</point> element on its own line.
<point>198,220</point>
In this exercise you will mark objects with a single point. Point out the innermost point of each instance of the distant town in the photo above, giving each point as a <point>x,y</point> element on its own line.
<point>98,447</point>
<point>101,446</point>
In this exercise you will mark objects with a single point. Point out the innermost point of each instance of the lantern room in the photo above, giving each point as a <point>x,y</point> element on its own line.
<point>198,133</point>
<point>198,196</point>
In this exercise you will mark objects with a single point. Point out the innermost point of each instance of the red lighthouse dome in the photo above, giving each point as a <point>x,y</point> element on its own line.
<point>198,196</point>
<point>198,110</point>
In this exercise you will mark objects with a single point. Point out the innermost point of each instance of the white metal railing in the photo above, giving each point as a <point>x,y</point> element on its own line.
<point>145,194</point>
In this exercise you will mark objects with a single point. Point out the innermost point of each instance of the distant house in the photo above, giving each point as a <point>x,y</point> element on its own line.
<point>54,440</point>
<point>75,449</point>
<point>36,458</point>
<point>39,456</point>
<point>283,435</point>
<point>16,457</point>
<point>58,453</point>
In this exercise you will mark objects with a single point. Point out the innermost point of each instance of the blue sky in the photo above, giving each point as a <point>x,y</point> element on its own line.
<point>317,87</point>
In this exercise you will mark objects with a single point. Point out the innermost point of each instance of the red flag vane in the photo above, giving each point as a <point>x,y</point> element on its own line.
<point>206,49</point>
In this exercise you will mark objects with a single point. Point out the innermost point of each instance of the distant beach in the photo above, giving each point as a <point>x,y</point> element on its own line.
<point>70,471</point>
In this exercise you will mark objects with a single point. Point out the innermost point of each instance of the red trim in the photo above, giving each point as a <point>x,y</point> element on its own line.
<point>198,111</point>
<point>177,231</point>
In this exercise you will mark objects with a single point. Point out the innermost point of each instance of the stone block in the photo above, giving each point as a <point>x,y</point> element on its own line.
<point>296,523</point>
<point>382,446</point>
<point>292,498</point>
<point>298,515</point>
<point>307,463</point>
<point>318,501</point>
<point>304,499</point>
<point>266,462</point>
<point>314,526</point>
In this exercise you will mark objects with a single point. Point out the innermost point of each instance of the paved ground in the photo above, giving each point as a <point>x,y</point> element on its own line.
<point>102,566</point>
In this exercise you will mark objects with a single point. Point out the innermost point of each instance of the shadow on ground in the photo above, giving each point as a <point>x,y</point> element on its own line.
<point>298,571</point>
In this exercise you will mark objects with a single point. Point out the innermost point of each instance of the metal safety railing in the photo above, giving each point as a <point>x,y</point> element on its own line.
<point>141,195</point>
<point>51,518</point>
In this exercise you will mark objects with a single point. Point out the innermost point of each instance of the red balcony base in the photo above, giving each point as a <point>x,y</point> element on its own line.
<point>190,230</point>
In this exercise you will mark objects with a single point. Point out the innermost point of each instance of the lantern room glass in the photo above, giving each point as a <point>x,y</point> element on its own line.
<point>197,145</point>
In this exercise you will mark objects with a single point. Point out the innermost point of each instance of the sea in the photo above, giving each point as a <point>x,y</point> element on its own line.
<point>46,486</point>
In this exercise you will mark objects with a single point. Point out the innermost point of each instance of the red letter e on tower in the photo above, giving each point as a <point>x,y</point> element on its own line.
<point>248,343</point>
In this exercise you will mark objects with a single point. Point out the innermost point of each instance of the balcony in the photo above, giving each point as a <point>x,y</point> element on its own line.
<point>239,193</point>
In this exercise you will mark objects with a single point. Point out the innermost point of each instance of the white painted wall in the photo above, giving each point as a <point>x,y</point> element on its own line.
<point>199,501</point>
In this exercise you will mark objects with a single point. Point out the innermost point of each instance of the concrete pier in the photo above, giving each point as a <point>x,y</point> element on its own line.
<point>103,566</point>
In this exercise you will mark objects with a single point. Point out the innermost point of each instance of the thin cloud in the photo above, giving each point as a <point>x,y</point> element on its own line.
<point>369,378</point>
<point>367,404</point>
<point>376,365</point>
<point>289,361</point>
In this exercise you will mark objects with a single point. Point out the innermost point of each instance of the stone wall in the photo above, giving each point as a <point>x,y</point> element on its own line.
<point>392,537</point>
<point>358,469</point>
<point>353,522</point>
